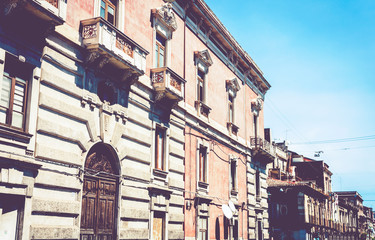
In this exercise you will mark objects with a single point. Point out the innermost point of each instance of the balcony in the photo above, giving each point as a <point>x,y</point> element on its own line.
<point>262,150</point>
<point>107,46</point>
<point>49,12</point>
<point>168,85</point>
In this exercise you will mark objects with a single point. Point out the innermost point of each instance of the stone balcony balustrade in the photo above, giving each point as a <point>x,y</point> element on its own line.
<point>262,150</point>
<point>46,13</point>
<point>105,44</point>
<point>168,85</point>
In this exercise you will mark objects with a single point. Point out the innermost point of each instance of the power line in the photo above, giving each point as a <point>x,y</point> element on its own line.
<point>340,140</point>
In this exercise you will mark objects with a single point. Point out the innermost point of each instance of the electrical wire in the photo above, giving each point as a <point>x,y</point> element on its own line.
<point>339,140</point>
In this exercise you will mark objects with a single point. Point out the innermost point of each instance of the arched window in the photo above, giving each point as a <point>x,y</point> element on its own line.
<point>99,195</point>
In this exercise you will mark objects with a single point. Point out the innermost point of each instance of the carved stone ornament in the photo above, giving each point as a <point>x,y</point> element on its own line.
<point>99,162</point>
<point>257,104</point>
<point>91,57</point>
<point>9,6</point>
<point>166,15</point>
<point>129,77</point>
<point>204,56</point>
<point>233,84</point>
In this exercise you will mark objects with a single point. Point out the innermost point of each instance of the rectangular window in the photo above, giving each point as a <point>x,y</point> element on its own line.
<point>160,49</point>
<point>13,93</point>
<point>160,148</point>
<point>108,10</point>
<point>230,108</point>
<point>158,229</point>
<point>233,173</point>
<point>203,164</point>
<point>200,86</point>
<point>260,230</point>
<point>202,228</point>
<point>257,184</point>
<point>255,125</point>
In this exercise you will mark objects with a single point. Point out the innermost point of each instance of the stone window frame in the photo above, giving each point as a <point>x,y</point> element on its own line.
<point>233,190</point>
<point>202,62</point>
<point>202,186</point>
<point>202,206</point>
<point>160,174</point>
<point>232,88</point>
<point>163,23</point>
<point>24,134</point>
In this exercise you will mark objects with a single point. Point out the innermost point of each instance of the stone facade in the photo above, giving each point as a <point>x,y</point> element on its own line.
<point>102,125</point>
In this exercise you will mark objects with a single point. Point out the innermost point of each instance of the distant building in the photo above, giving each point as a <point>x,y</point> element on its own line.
<point>129,119</point>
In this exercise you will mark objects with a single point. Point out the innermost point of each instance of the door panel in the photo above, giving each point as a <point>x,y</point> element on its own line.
<point>98,209</point>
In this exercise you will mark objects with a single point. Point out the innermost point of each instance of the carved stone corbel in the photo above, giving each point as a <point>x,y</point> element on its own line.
<point>91,57</point>
<point>121,115</point>
<point>9,7</point>
<point>103,61</point>
<point>159,96</point>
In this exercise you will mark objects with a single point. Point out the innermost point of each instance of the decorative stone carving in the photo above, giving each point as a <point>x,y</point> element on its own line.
<point>91,57</point>
<point>257,104</point>
<point>90,31</point>
<point>166,15</point>
<point>9,7</point>
<point>129,77</point>
<point>99,162</point>
<point>121,115</point>
<point>88,100</point>
<point>233,84</point>
<point>103,61</point>
<point>204,56</point>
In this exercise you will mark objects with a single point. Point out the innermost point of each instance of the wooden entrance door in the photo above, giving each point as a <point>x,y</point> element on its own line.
<point>98,214</point>
<point>98,209</point>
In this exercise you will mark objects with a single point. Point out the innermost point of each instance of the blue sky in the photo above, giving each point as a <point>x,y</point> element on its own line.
<point>319,57</point>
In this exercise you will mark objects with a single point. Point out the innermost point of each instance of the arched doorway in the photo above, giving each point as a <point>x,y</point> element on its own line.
<point>99,195</point>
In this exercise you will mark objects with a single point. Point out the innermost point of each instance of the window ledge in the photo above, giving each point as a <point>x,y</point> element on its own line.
<point>232,128</point>
<point>202,108</point>
<point>202,186</point>
<point>14,134</point>
<point>160,173</point>
<point>234,192</point>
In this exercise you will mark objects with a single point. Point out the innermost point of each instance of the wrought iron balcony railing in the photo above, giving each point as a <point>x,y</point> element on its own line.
<point>168,85</point>
<point>106,44</point>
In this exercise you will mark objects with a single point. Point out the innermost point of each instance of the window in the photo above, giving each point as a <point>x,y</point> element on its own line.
<point>202,228</point>
<point>255,125</point>
<point>160,50</point>
<point>200,85</point>
<point>260,230</point>
<point>160,148</point>
<point>14,92</point>
<point>202,164</point>
<point>158,228</point>
<point>231,108</point>
<point>233,175</point>
<point>257,184</point>
<point>108,10</point>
